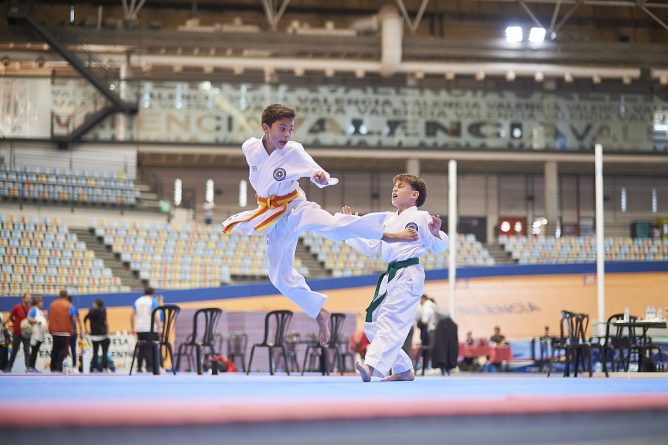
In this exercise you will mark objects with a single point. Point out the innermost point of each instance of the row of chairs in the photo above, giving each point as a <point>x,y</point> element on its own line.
<point>202,338</point>
<point>570,249</point>
<point>616,348</point>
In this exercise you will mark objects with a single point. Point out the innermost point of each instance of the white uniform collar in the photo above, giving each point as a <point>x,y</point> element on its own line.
<point>409,210</point>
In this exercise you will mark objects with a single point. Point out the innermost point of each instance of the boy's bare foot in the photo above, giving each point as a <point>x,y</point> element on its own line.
<point>323,324</point>
<point>364,371</point>
<point>406,376</point>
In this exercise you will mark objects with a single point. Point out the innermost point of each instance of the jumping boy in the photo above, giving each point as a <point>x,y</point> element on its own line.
<point>390,315</point>
<point>276,164</point>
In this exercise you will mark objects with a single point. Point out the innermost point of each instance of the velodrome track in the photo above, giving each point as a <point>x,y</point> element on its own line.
<point>235,408</point>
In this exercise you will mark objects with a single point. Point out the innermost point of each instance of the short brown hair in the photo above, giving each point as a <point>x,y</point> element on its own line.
<point>275,112</point>
<point>416,184</point>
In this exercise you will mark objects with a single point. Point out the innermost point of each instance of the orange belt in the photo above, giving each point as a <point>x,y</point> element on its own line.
<point>265,204</point>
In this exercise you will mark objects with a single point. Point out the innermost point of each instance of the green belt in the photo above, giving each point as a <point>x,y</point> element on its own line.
<point>392,270</point>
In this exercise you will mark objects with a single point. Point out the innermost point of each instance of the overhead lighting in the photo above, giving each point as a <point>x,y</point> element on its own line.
<point>539,76</point>
<point>514,34</point>
<point>536,35</point>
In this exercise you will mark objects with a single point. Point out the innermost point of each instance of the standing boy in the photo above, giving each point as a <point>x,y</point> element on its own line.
<point>276,164</point>
<point>390,315</point>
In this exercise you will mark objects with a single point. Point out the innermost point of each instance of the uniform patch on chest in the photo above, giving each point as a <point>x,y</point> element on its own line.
<point>279,174</point>
<point>411,225</point>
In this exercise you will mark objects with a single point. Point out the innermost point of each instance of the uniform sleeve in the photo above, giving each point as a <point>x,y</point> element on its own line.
<point>32,313</point>
<point>313,167</point>
<point>366,247</point>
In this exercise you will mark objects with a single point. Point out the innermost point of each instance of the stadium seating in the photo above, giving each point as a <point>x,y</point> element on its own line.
<point>66,186</point>
<point>578,249</point>
<point>190,256</point>
<point>342,260</point>
<point>40,256</point>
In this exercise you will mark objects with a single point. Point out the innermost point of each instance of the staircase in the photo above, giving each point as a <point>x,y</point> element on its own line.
<point>500,256</point>
<point>309,260</point>
<point>147,199</point>
<point>118,269</point>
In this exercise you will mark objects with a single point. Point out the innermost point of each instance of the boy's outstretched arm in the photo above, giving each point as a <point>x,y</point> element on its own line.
<point>389,237</point>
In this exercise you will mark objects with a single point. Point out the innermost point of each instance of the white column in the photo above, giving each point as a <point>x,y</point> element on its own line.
<point>600,247</point>
<point>391,38</point>
<point>551,198</point>
<point>413,167</point>
<point>452,235</point>
<point>492,206</point>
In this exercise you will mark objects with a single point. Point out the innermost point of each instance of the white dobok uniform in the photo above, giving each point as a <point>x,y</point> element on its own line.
<point>389,323</point>
<point>277,175</point>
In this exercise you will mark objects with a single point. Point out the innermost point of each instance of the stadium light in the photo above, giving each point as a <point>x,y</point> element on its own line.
<point>536,35</point>
<point>178,192</point>
<point>514,34</point>
<point>208,195</point>
<point>243,193</point>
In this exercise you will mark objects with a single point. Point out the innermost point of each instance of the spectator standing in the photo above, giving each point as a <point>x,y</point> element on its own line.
<point>426,318</point>
<point>76,332</point>
<point>19,313</point>
<point>98,329</point>
<point>140,321</point>
<point>60,327</point>
<point>37,320</point>
<point>4,339</point>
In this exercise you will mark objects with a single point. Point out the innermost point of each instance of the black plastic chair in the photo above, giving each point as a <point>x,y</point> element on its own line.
<point>345,352</point>
<point>237,345</point>
<point>276,323</point>
<point>204,323</point>
<point>572,341</point>
<point>158,340</point>
<point>315,349</point>
<point>616,345</point>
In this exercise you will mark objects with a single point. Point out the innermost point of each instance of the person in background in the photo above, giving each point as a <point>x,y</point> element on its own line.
<point>498,337</point>
<point>140,321</point>
<point>60,327</point>
<point>38,321</point>
<point>76,331</point>
<point>4,339</point>
<point>469,339</point>
<point>19,313</point>
<point>98,329</point>
<point>426,318</point>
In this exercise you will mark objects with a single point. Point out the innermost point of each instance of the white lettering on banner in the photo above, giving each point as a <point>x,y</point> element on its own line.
<point>379,117</point>
<point>121,347</point>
